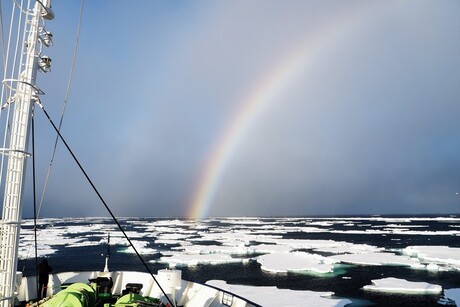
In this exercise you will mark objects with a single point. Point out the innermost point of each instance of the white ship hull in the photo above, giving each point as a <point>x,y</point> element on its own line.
<point>187,294</point>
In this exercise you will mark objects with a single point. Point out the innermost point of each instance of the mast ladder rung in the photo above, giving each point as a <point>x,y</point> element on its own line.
<point>15,170</point>
<point>11,196</point>
<point>10,223</point>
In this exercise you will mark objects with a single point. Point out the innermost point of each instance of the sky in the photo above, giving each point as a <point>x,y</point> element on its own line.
<point>253,108</point>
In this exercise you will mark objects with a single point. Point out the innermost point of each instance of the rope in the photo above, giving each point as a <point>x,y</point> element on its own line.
<point>63,108</point>
<point>102,200</point>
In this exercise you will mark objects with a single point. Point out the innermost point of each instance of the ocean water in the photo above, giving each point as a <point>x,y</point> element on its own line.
<point>229,249</point>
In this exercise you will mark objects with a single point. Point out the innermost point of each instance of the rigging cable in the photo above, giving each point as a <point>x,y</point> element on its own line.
<point>102,200</point>
<point>63,107</point>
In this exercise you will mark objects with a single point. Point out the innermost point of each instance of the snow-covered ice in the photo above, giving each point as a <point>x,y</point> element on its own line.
<point>295,262</point>
<point>436,255</point>
<point>391,284</point>
<point>181,259</point>
<point>272,296</point>
<point>376,258</point>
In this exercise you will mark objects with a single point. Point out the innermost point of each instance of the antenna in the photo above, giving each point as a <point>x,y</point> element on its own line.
<point>107,256</point>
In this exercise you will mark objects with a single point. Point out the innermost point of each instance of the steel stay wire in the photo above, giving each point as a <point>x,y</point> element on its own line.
<point>102,199</point>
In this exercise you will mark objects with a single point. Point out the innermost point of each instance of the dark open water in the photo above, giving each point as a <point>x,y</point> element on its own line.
<point>91,258</point>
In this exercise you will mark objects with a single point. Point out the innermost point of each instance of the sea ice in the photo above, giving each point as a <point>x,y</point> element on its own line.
<point>172,236</point>
<point>224,237</point>
<point>27,252</point>
<point>283,262</point>
<point>402,286</point>
<point>400,226</point>
<point>216,249</point>
<point>443,255</point>
<point>182,259</point>
<point>376,259</point>
<point>272,296</point>
<point>141,247</point>
<point>244,221</point>
<point>270,248</point>
<point>399,232</point>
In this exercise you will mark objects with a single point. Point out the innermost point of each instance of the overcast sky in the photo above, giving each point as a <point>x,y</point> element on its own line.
<point>355,108</point>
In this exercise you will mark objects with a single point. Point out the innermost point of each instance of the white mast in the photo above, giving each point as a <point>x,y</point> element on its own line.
<point>19,93</point>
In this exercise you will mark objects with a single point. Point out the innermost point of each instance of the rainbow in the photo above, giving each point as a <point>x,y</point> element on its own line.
<point>258,99</point>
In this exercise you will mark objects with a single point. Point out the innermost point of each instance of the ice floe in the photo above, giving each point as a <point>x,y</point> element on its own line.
<point>272,296</point>
<point>216,249</point>
<point>391,284</point>
<point>373,258</point>
<point>448,257</point>
<point>295,262</point>
<point>181,259</point>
